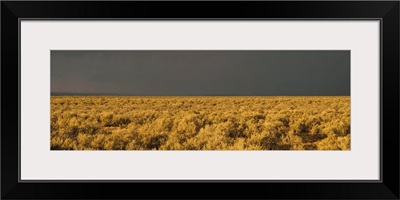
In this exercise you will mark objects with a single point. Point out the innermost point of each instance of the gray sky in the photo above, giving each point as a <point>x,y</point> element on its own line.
<point>170,73</point>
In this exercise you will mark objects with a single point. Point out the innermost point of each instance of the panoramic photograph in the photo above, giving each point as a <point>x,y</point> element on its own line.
<point>200,100</point>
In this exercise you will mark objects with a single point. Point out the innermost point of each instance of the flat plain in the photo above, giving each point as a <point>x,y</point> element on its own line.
<point>200,123</point>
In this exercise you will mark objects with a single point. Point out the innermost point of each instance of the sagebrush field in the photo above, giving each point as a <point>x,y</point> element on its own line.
<point>200,123</point>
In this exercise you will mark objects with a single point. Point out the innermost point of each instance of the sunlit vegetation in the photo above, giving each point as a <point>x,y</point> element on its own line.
<point>200,123</point>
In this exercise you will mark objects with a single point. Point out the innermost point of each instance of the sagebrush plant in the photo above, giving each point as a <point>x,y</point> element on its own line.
<point>200,123</point>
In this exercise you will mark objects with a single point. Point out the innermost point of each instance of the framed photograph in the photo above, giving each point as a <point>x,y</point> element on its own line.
<point>219,99</point>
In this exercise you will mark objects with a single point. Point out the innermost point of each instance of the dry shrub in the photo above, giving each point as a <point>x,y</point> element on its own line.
<point>200,123</point>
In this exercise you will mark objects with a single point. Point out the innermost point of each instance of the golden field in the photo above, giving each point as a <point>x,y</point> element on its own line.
<point>200,123</point>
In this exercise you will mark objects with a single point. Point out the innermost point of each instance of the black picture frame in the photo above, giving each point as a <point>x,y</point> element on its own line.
<point>386,11</point>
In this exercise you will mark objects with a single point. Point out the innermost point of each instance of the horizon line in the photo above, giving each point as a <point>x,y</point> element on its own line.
<point>116,95</point>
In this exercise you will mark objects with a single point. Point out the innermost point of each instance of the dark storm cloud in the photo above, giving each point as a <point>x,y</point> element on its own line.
<point>238,72</point>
